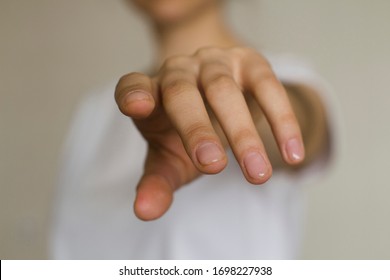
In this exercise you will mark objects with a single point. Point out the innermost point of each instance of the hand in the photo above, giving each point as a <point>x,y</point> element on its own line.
<point>187,109</point>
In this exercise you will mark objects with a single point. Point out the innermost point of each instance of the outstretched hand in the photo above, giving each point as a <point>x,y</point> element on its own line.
<point>190,106</point>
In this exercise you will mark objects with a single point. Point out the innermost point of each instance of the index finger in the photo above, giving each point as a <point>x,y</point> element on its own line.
<point>135,95</point>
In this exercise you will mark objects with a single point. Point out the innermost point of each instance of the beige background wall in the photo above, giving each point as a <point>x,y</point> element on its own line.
<point>52,52</point>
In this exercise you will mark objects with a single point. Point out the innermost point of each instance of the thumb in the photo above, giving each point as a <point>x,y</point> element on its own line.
<point>164,173</point>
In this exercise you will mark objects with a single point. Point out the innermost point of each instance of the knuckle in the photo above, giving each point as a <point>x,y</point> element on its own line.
<point>196,130</point>
<point>243,135</point>
<point>175,61</point>
<point>247,53</point>
<point>264,77</point>
<point>220,83</point>
<point>287,119</point>
<point>177,87</point>
<point>241,51</point>
<point>267,75</point>
<point>205,52</point>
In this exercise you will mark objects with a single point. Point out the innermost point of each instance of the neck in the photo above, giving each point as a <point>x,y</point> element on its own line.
<point>206,29</point>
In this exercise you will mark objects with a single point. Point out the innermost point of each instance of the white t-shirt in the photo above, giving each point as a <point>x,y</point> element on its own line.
<point>215,217</point>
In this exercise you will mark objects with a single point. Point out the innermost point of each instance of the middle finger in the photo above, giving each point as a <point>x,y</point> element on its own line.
<point>184,106</point>
<point>228,103</point>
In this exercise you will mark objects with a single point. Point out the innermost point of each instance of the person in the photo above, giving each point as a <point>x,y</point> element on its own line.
<point>213,119</point>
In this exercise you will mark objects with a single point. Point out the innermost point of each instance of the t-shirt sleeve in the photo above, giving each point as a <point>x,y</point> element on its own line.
<point>291,70</point>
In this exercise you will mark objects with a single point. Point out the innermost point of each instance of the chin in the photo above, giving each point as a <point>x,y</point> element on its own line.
<point>171,11</point>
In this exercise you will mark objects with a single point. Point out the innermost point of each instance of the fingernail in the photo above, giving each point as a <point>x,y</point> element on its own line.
<point>255,165</point>
<point>295,150</point>
<point>136,96</point>
<point>209,153</point>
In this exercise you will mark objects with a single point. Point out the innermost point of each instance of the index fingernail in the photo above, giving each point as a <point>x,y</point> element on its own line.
<point>255,165</point>
<point>136,96</point>
<point>209,153</point>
